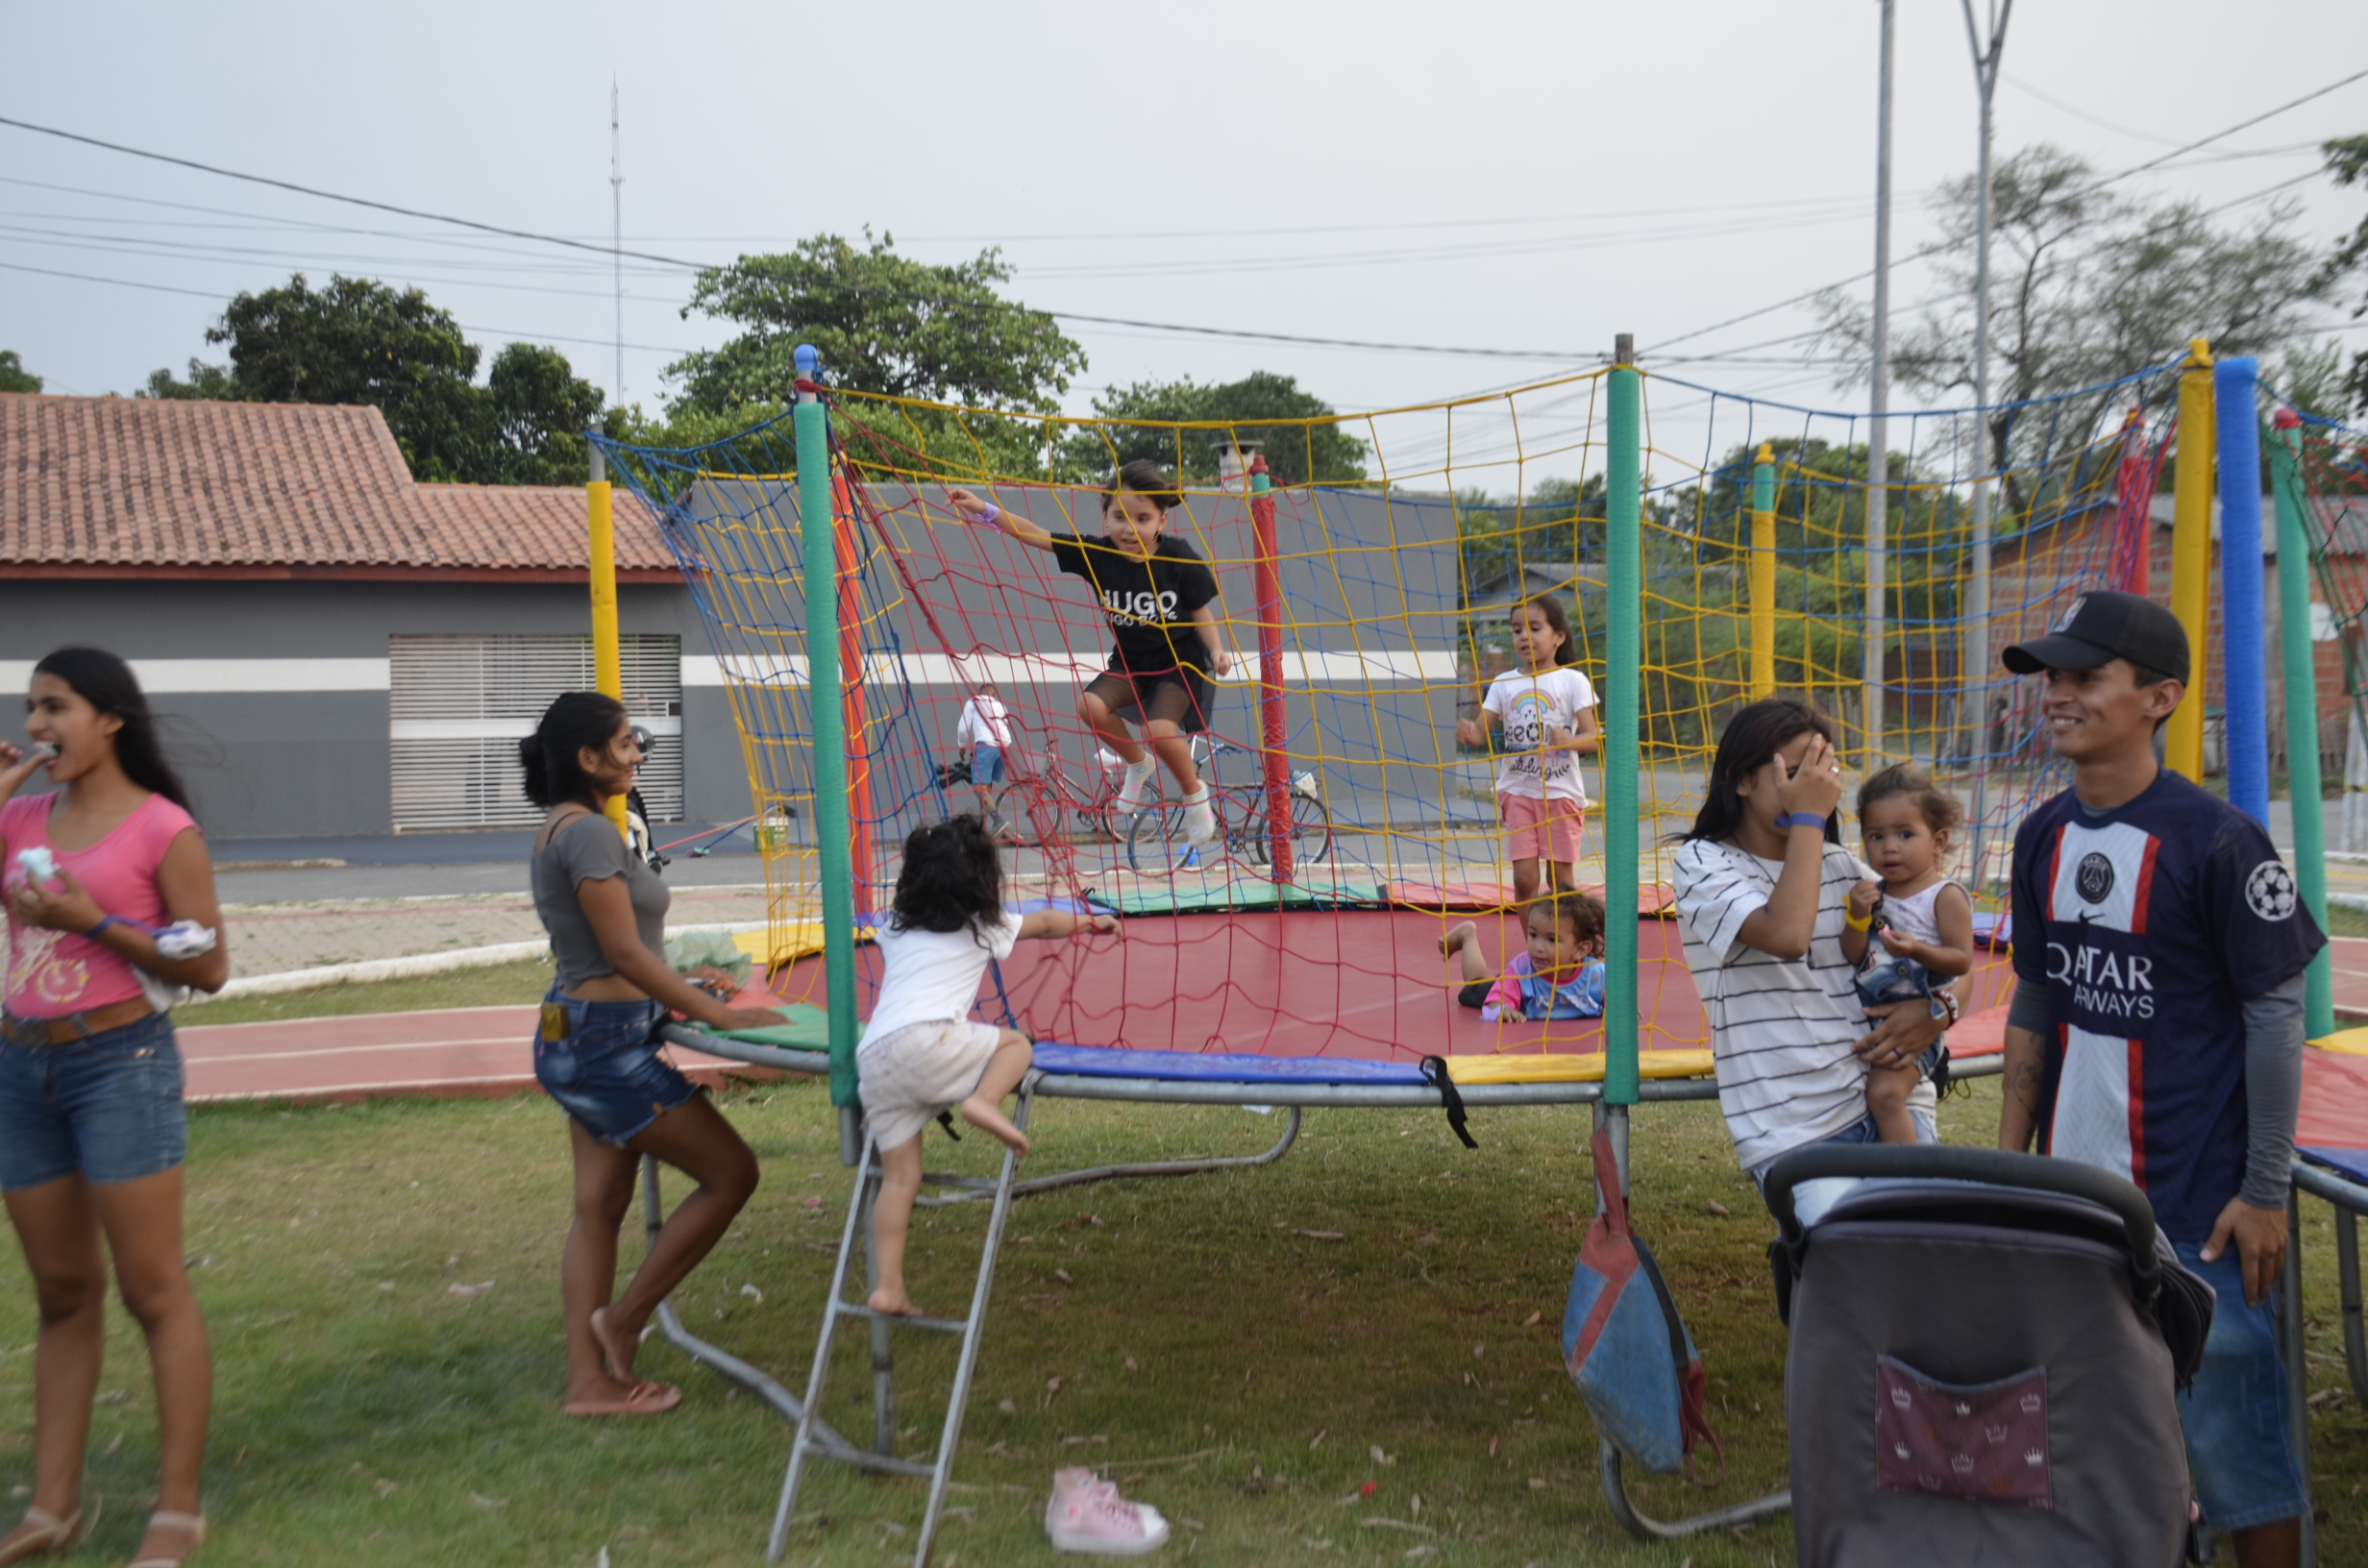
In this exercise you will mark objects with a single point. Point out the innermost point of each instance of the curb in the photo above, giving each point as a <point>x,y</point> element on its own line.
<point>418,964</point>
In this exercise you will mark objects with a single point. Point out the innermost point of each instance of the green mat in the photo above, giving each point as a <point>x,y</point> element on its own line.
<point>1163,899</point>
<point>809,1029</point>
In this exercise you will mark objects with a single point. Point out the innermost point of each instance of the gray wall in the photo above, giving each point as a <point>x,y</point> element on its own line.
<point>315,764</point>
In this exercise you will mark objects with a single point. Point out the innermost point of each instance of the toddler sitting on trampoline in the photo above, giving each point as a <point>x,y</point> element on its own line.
<point>1156,593</point>
<point>1558,975</point>
<point>922,1053</point>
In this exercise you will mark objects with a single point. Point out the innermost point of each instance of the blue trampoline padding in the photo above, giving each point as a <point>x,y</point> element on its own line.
<point>2352,1163</point>
<point>1221,1067</point>
<point>1991,931</point>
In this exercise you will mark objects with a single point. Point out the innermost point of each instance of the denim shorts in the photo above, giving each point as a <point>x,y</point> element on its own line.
<point>107,1106</point>
<point>2240,1441</point>
<point>1861,1131</point>
<point>987,764</point>
<point>606,1073</point>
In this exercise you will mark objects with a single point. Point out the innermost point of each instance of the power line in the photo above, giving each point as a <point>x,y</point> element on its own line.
<point>350,200</point>
<point>1938,246</point>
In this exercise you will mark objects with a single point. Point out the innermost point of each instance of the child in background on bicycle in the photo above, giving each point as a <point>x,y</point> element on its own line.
<point>1156,594</point>
<point>1546,709</point>
<point>985,729</point>
<point>1558,975</point>
<point>922,1053</point>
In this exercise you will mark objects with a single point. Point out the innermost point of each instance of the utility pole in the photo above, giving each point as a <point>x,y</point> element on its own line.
<point>616,230</point>
<point>1975,677</point>
<point>1878,456</point>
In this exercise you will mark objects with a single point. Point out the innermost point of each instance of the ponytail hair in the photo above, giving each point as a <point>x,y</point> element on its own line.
<point>574,721</point>
<point>107,683</point>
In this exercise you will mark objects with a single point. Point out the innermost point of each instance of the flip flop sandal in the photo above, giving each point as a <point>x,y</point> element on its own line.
<point>166,1519</point>
<point>51,1534</point>
<point>646,1399</point>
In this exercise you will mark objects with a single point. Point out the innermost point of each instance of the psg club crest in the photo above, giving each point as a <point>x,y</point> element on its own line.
<point>2094,876</point>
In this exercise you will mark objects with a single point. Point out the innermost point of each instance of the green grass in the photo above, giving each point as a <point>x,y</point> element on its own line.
<point>2345,922</point>
<point>1198,1348</point>
<point>524,981</point>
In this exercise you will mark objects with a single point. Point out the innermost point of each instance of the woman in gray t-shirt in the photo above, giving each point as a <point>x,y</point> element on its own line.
<point>597,1053</point>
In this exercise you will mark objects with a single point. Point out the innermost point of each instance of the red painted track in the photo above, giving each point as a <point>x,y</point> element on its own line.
<point>453,1051</point>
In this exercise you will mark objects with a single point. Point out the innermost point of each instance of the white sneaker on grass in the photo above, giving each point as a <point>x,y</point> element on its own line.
<point>1135,784</point>
<point>1086,1515</point>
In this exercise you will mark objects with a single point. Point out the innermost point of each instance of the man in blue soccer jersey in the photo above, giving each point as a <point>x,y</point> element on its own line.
<point>2156,1029</point>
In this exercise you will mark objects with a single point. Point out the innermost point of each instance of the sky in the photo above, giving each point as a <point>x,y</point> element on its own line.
<point>1525,178</point>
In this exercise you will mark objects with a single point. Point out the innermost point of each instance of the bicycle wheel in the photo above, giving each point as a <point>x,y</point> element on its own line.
<point>1156,840</point>
<point>1310,830</point>
<point>1044,816</point>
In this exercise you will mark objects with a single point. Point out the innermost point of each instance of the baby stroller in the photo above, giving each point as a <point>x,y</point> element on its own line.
<point>1985,1349</point>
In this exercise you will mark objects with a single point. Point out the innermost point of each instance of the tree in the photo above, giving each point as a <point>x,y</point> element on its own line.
<point>2085,289</point>
<point>535,409</point>
<point>1250,409</point>
<point>14,376</point>
<point>359,341</point>
<point>210,383</point>
<point>2347,159</point>
<point>883,323</point>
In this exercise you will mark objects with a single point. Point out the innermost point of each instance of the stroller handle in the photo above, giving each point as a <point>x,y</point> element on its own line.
<point>1994,1167</point>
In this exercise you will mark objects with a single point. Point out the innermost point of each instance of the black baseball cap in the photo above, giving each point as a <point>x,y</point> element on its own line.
<point>2102,625</point>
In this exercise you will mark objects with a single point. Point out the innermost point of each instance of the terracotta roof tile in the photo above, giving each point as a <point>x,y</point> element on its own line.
<point>134,482</point>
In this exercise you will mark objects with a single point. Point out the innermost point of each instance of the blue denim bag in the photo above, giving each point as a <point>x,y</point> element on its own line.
<point>1626,1346</point>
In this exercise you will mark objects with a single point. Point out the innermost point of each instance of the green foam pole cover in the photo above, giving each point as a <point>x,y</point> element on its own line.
<point>832,832</point>
<point>1623,689</point>
<point>2302,718</point>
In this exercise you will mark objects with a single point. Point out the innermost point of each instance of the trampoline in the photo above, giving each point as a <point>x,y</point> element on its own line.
<point>850,612</point>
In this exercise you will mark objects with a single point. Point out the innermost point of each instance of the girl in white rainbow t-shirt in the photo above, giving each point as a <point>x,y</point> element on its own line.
<point>1545,709</point>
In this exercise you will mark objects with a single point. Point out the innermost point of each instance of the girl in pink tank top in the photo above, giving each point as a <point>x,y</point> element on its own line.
<point>91,1121</point>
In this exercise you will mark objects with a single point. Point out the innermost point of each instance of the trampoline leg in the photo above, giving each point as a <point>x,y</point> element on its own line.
<point>980,1191</point>
<point>2347,1274</point>
<point>1625,1510</point>
<point>754,1380</point>
<point>2298,1368</point>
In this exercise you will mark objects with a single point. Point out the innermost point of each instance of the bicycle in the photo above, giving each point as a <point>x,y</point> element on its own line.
<point>1057,808</point>
<point>1155,843</point>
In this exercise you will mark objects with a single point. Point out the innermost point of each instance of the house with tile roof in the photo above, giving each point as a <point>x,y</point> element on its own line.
<point>344,650</point>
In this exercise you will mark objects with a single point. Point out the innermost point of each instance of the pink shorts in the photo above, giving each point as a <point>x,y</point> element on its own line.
<point>1541,829</point>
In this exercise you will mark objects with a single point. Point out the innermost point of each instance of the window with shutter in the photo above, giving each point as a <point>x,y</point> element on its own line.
<point>460,707</point>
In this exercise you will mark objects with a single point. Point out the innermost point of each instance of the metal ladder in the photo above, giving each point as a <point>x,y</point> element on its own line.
<point>814,1440</point>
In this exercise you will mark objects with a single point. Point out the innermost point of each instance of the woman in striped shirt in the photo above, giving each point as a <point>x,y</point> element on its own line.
<point>1761,883</point>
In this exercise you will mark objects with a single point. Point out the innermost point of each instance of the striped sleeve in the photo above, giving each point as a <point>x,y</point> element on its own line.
<point>1715,896</point>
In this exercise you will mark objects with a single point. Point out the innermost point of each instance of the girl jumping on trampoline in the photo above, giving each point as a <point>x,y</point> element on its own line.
<point>921,1054</point>
<point>1546,709</point>
<point>1558,975</point>
<point>1923,919</point>
<point>1156,593</point>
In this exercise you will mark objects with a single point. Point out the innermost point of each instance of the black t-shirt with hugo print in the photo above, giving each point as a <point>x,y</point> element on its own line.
<point>1148,602</point>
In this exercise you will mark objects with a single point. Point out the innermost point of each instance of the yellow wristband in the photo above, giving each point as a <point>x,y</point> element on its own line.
<point>1858,922</point>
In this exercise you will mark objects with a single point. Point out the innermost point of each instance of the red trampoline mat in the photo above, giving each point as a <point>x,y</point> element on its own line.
<point>1367,984</point>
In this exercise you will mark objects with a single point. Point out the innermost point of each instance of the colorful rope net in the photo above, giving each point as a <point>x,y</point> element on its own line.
<point>1366,580</point>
